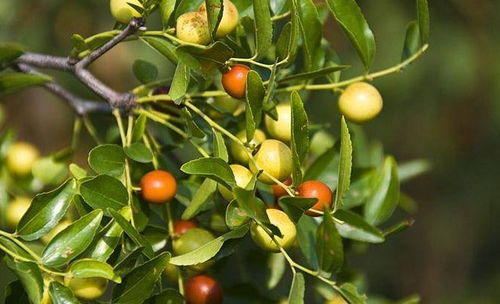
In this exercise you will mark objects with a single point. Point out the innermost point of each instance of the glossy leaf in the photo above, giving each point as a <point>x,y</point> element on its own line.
<point>144,71</point>
<point>306,236</point>
<point>214,15</point>
<point>385,195</point>
<point>166,9</point>
<point>45,211</point>
<point>162,46</point>
<point>9,52</point>
<point>254,208</point>
<point>423,20</point>
<point>77,171</point>
<point>8,245</point>
<point>138,284</point>
<point>73,240</point>
<point>139,152</point>
<point>283,44</point>
<point>329,247</point>
<point>295,207</point>
<point>211,167</point>
<point>351,294</point>
<point>89,268</point>
<point>128,261</point>
<point>205,59</point>
<point>300,136</point>
<point>351,19</point>
<point>314,74</point>
<point>180,82</point>
<point>208,250</point>
<point>276,263</point>
<point>30,276</point>
<point>107,159</point>
<point>412,169</point>
<point>263,27</point>
<point>61,294</point>
<point>296,295</point>
<point>345,164</point>
<point>354,227</point>
<point>254,98</point>
<point>412,40</point>
<point>104,192</point>
<point>310,28</point>
<point>193,129</point>
<point>200,198</point>
<point>320,164</point>
<point>235,216</point>
<point>220,149</point>
<point>13,82</point>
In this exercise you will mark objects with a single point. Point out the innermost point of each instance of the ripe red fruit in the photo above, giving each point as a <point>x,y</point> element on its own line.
<point>182,226</point>
<point>316,189</point>
<point>158,187</point>
<point>202,289</point>
<point>234,81</point>
<point>278,191</point>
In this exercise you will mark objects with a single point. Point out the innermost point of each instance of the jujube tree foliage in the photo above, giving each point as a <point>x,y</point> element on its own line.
<point>212,184</point>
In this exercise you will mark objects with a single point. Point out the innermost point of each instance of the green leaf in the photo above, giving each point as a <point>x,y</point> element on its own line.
<point>220,149</point>
<point>283,46</point>
<point>351,294</point>
<point>254,98</point>
<point>306,236</point>
<point>45,211</point>
<point>214,15</point>
<point>320,164</point>
<point>200,198</point>
<point>13,82</point>
<point>193,128</point>
<point>128,261</point>
<point>385,195</point>
<point>300,136</point>
<point>61,294</point>
<point>329,248</point>
<point>211,167</point>
<point>263,27</point>
<point>345,164</point>
<point>351,19</point>
<point>162,46</point>
<point>139,128</point>
<point>412,169</point>
<point>180,82</point>
<point>144,71</point>
<point>139,283</point>
<point>167,296</point>
<point>209,250</point>
<point>295,207</point>
<point>235,216</point>
<point>310,27</point>
<point>49,171</point>
<point>313,74</point>
<point>107,159</point>
<point>7,244</point>
<point>423,20</point>
<point>254,208</point>
<point>104,191</point>
<point>9,52</point>
<point>137,238</point>
<point>139,152</point>
<point>166,9</point>
<point>89,268</point>
<point>73,240</point>
<point>30,276</point>
<point>354,227</point>
<point>206,58</point>
<point>296,295</point>
<point>77,171</point>
<point>412,40</point>
<point>276,264</point>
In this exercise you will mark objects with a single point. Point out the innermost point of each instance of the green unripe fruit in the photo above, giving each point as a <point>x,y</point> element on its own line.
<point>87,288</point>
<point>275,158</point>
<point>193,239</point>
<point>287,228</point>
<point>360,102</point>
<point>122,12</point>
<point>16,209</point>
<point>224,105</point>
<point>20,158</point>
<point>320,142</point>
<point>242,175</point>
<point>239,152</point>
<point>229,19</point>
<point>282,128</point>
<point>192,27</point>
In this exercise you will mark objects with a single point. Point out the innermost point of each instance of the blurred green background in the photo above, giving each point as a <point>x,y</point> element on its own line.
<point>444,108</point>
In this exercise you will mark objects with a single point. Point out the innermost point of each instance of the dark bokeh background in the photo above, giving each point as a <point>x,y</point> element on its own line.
<point>444,108</point>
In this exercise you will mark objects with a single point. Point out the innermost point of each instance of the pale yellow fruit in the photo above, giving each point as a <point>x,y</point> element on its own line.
<point>337,299</point>
<point>242,175</point>
<point>122,12</point>
<point>360,102</point>
<point>16,209</point>
<point>60,227</point>
<point>287,228</point>
<point>282,128</point>
<point>20,158</point>
<point>192,27</point>
<point>238,151</point>
<point>275,158</point>
<point>229,19</point>
<point>87,288</point>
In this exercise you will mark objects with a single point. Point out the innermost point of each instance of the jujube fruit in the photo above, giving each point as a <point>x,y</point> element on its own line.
<point>287,228</point>
<point>87,288</point>
<point>192,27</point>
<point>182,226</point>
<point>275,158</point>
<point>21,157</point>
<point>229,19</point>
<point>318,190</point>
<point>223,105</point>
<point>239,152</point>
<point>158,186</point>
<point>203,289</point>
<point>242,176</point>
<point>122,12</point>
<point>360,102</point>
<point>234,81</point>
<point>279,191</point>
<point>193,239</point>
<point>282,127</point>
